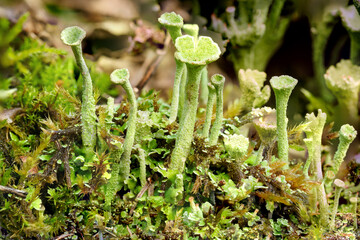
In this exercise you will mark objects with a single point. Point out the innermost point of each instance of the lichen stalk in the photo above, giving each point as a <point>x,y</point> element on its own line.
<point>185,133</point>
<point>113,184</point>
<point>72,36</point>
<point>282,87</point>
<point>121,77</point>
<point>142,164</point>
<point>314,133</point>
<point>109,113</point>
<point>218,82</point>
<point>173,24</point>
<point>339,185</point>
<point>176,91</point>
<point>209,110</point>
<point>347,136</point>
<point>354,201</point>
<point>182,93</point>
<point>204,91</point>
<point>196,54</point>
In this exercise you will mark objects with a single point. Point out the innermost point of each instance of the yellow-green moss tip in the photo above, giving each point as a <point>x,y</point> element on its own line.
<point>120,76</point>
<point>193,52</point>
<point>171,19</point>
<point>72,36</point>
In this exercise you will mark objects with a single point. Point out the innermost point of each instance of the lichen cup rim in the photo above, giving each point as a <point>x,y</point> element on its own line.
<point>283,82</point>
<point>166,19</point>
<point>217,79</point>
<point>189,50</point>
<point>348,132</point>
<point>69,38</point>
<point>120,76</point>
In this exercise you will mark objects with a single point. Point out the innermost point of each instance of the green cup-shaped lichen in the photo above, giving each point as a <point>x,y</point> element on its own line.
<point>282,86</point>
<point>121,77</point>
<point>266,126</point>
<point>173,23</point>
<point>343,80</point>
<point>217,81</point>
<point>195,54</point>
<point>347,135</point>
<point>253,92</point>
<point>73,36</point>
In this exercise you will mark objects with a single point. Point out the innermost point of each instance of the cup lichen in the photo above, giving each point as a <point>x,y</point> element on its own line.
<point>121,77</point>
<point>73,36</point>
<point>217,81</point>
<point>195,54</point>
<point>282,87</point>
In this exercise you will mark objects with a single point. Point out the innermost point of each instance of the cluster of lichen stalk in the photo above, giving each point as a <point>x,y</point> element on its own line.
<point>192,55</point>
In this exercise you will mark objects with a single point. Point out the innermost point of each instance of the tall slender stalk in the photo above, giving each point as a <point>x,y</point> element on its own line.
<point>72,36</point>
<point>282,87</point>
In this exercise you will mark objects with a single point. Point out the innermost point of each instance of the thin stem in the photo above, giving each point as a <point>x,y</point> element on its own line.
<point>218,81</point>
<point>320,37</point>
<point>204,91</point>
<point>347,135</point>
<point>185,133</point>
<point>355,48</point>
<point>323,205</point>
<point>209,110</point>
<point>182,93</point>
<point>130,134</point>
<point>142,163</point>
<point>88,116</point>
<point>339,185</point>
<point>176,90</point>
<point>113,185</point>
<point>260,152</point>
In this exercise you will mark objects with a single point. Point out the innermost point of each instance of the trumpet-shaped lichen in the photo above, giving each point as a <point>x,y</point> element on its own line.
<point>72,36</point>
<point>343,80</point>
<point>217,81</point>
<point>253,92</point>
<point>121,77</point>
<point>282,87</point>
<point>195,54</point>
<point>347,135</point>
